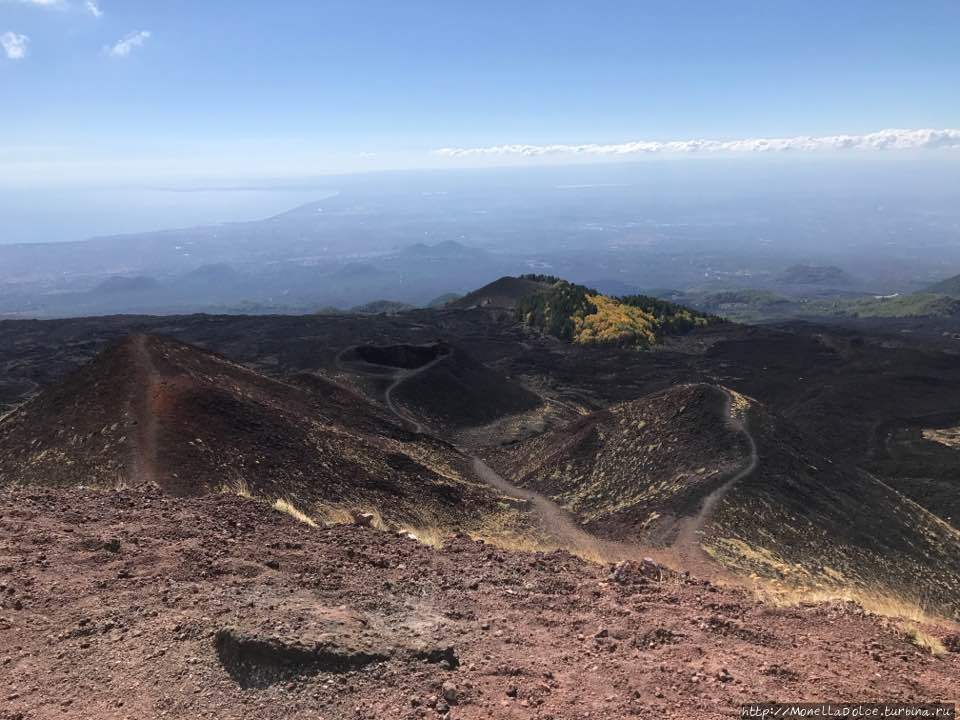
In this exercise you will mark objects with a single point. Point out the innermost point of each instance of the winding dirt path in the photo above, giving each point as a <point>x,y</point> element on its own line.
<point>686,548</point>
<point>403,376</point>
<point>685,552</point>
<point>556,521</point>
<point>143,445</point>
<point>398,375</point>
<point>559,523</point>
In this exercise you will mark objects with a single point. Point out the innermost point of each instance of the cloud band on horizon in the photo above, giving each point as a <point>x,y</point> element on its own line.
<point>890,139</point>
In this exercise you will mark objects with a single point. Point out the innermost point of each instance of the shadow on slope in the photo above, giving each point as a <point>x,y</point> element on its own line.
<point>457,391</point>
<point>804,521</point>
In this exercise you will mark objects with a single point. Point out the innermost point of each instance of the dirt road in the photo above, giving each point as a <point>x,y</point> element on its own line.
<point>401,377</point>
<point>686,549</point>
<point>685,552</point>
<point>142,430</point>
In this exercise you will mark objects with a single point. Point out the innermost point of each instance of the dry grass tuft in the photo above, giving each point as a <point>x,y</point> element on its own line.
<point>333,514</point>
<point>430,536</point>
<point>349,515</point>
<point>239,488</point>
<point>284,506</point>
<point>120,482</point>
<point>514,542</point>
<point>924,640</point>
<point>376,519</point>
<point>509,529</point>
<point>875,602</point>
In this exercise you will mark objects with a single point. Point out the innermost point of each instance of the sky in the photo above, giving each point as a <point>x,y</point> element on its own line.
<point>125,92</point>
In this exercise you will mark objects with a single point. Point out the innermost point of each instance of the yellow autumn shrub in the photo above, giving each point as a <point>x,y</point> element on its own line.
<point>615,323</point>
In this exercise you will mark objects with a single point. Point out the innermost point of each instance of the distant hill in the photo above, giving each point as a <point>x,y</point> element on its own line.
<point>950,286</point>
<point>817,275</point>
<point>727,299</point>
<point>447,250</point>
<point>762,305</point>
<point>445,299</point>
<point>118,284</point>
<point>505,293</point>
<point>898,306</point>
<point>207,274</point>
<point>745,305</point>
<point>382,307</point>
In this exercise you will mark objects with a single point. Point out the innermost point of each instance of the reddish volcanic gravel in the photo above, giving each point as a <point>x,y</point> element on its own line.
<point>131,605</point>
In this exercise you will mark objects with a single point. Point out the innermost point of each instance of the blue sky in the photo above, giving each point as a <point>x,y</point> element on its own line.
<point>136,90</point>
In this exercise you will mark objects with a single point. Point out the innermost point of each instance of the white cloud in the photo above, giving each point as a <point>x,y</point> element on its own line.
<point>58,4</point>
<point>126,46</point>
<point>14,45</point>
<point>892,139</point>
<point>89,6</point>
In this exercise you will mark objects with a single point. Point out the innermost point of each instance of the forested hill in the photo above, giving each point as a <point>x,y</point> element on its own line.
<point>582,315</point>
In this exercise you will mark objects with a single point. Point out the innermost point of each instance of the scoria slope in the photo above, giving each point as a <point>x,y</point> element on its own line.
<point>808,522</point>
<point>140,605</point>
<point>151,411</point>
<point>629,471</point>
<point>711,474</point>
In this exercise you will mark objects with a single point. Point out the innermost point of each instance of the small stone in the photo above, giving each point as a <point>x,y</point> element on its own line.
<point>621,572</point>
<point>450,693</point>
<point>364,520</point>
<point>112,546</point>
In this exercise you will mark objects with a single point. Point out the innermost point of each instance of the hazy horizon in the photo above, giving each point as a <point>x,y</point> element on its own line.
<point>309,152</point>
<point>67,214</point>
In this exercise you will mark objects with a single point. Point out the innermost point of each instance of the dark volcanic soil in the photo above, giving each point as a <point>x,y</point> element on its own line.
<point>153,411</point>
<point>128,605</point>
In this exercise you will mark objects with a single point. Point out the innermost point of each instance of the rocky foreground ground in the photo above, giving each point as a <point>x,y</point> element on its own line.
<point>128,605</point>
